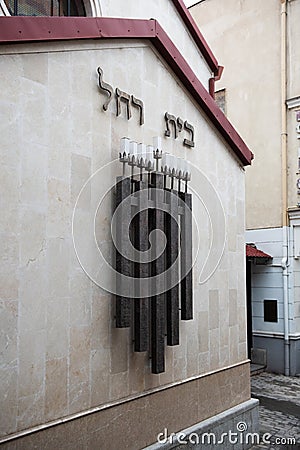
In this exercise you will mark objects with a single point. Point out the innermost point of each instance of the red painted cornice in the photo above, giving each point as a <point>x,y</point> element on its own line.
<point>37,29</point>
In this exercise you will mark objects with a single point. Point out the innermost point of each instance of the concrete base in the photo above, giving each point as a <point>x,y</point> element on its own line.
<point>237,428</point>
<point>259,356</point>
<point>134,423</point>
<point>295,357</point>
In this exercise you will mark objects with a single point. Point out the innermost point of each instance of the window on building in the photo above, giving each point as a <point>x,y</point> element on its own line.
<point>46,8</point>
<point>220,97</point>
<point>270,311</point>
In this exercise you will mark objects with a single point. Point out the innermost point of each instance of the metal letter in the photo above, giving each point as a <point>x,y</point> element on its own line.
<point>170,118</point>
<point>180,124</point>
<point>136,102</point>
<point>126,98</point>
<point>189,142</point>
<point>105,87</point>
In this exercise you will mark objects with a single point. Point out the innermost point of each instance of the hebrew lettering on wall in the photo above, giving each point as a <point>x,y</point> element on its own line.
<point>106,88</point>
<point>171,123</point>
<point>189,128</point>
<point>125,98</point>
<point>174,126</point>
<point>139,104</point>
<point>121,97</point>
<point>179,124</point>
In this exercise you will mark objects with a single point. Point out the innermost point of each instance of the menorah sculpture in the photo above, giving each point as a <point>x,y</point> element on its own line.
<point>160,177</point>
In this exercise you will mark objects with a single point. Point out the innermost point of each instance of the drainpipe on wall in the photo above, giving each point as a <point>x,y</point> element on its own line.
<point>212,81</point>
<point>284,185</point>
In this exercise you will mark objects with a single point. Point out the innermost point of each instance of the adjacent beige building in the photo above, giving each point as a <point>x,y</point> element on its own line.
<point>68,377</point>
<point>258,44</point>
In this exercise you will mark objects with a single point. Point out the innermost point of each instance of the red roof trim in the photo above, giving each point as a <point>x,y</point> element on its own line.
<point>253,252</point>
<point>35,29</point>
<point>19,29</point>
<point>197,35</point>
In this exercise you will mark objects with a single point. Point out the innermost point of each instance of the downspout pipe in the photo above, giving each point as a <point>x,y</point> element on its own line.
<point>284,181</point>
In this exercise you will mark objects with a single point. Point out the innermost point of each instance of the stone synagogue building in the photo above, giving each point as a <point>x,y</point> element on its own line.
<point>122,293</point>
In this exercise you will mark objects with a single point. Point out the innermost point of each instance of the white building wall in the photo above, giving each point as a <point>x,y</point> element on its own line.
<point>295,266</point>
<point>267,282</point>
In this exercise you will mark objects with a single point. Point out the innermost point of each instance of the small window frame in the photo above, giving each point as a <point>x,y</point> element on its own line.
<point>271,310</point>
<point>54,8</point>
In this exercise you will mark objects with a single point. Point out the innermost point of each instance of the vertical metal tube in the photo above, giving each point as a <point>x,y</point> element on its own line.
<point>284,111</point>
<point>157,301</point>
<point>132,178</point>
<point>285,273</point>
<point>141,271</point>
<point>172,295</point>
<point>15,7</point>
<point>123,265</point>
<point>186,285</point>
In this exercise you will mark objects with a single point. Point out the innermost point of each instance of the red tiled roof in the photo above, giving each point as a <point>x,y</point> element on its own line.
<point>253,252</point>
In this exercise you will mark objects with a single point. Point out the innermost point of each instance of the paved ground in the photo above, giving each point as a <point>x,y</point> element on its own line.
<point>279,410</point>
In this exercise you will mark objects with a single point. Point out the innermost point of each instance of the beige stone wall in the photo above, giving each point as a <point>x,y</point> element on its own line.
<point>245,37</point>
<point>60,351</point>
